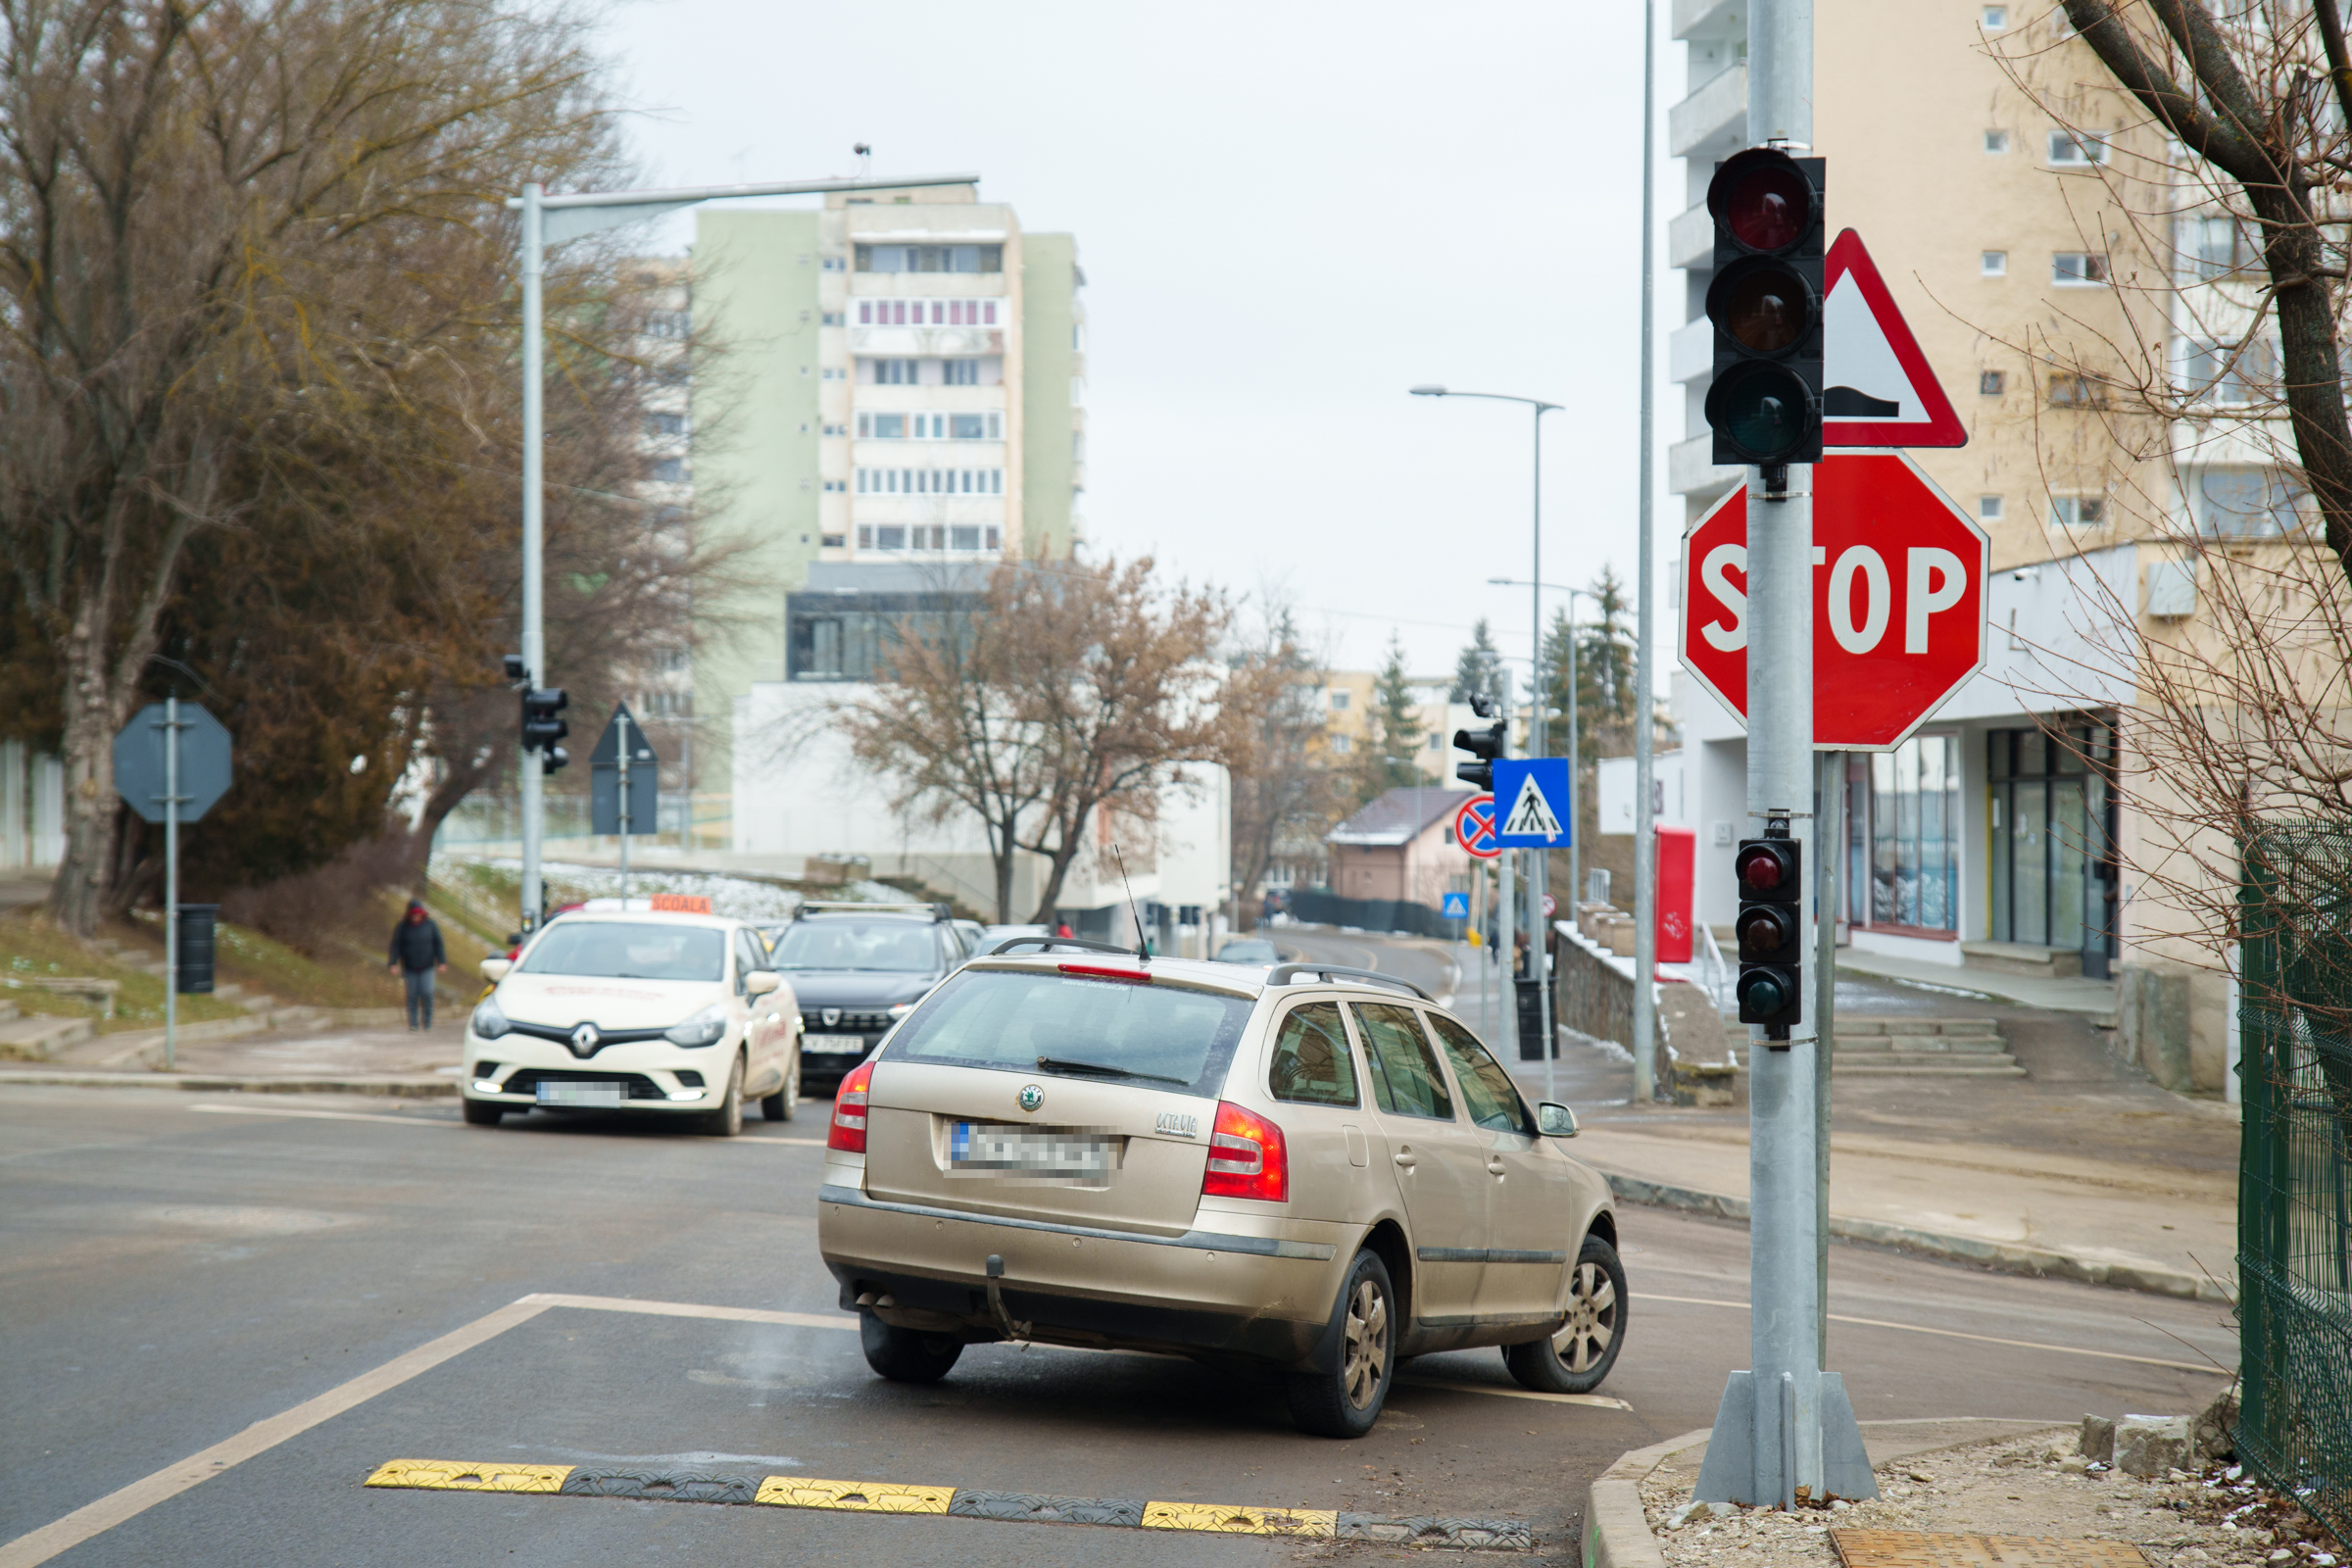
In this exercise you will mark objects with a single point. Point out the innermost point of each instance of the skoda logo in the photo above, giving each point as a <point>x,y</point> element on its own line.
<point>584,1039</point>
<point>1031,1097</point>
<point>832,1016</point>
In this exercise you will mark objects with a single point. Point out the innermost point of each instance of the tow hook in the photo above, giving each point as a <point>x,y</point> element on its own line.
<point>995,1302</point>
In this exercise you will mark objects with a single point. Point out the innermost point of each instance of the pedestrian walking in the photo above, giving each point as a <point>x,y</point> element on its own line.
<point>418,954</point>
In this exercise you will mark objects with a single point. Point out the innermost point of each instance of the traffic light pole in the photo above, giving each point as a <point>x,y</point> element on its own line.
<point>1645,823</point>
<point>530,774</point>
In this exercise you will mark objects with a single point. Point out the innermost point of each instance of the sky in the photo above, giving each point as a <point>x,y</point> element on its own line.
<point>1288,215</point>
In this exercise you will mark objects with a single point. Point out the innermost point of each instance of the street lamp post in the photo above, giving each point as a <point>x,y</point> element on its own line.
<point>547,222</point>
<point>1537,736</point>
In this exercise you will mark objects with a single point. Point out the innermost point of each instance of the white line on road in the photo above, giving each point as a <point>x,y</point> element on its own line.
<point>441,1121</point>
<point>1980,1339</point>
<point>1599,1401</point>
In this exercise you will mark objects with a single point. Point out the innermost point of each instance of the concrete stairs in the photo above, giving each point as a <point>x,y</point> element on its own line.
<point>40,1036</point>
<point>2022,957</point>
<point>1921,1048</point>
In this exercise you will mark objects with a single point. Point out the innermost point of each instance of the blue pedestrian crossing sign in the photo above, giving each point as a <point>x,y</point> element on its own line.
<point>1456,906</point>
<point>1532,802</point>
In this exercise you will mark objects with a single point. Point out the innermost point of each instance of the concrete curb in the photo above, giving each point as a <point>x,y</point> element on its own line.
<point>2002,1257</point>
<point>218,1083</point>
<point>1616,1530</point>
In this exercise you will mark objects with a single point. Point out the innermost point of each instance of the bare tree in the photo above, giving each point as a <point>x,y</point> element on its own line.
<point>224,229</point>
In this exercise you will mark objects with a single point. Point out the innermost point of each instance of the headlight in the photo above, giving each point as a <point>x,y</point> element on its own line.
<point>705,1028</point>
<point>488,1022</point>
<point>903,1010</point>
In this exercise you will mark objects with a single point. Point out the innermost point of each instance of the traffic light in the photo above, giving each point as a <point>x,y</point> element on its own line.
<point>1771,931</point>
<point>541,728</point>
<point>1765,405</point>
<point>1484,744</point>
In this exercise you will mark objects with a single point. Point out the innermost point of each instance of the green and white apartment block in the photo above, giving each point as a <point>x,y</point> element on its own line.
<point>892,384</point>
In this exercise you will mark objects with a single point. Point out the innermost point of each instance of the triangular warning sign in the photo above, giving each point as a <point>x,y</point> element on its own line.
<point>1877,389</point>
<point>1532,815</point>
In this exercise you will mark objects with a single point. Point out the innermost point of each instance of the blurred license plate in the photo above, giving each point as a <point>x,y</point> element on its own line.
<point>1029,1151</point>
<point>561,1094</point>
<point>833,1045</point>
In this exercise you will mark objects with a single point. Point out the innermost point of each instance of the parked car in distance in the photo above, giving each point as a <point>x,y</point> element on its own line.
<point>677,1014</point>
<point>1313,1170</point>
<point>1248,950</point>
<point>857,969</point>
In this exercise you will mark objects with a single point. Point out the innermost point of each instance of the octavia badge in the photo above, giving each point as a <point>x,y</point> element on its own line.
<point>832,1016</point>
<point>1031,1097</point>
<point>584,1039</point>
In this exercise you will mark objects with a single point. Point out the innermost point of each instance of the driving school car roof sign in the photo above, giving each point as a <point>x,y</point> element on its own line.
<point>1881,391</point>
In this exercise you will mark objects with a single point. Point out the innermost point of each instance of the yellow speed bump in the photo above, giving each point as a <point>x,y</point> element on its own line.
<point>860,1497</point>
<point>450,1475</point>
<point>1239,1521</point>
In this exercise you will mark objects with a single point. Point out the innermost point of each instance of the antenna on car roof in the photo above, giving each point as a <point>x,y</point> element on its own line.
<point>1143,948</point>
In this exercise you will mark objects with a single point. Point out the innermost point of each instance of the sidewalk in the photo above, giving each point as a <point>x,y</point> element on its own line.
<point>2071,995</point>
<point>2169,1231</point>
<point>325,1059</point>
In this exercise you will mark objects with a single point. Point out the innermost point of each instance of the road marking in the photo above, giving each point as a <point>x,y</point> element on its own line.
<point>1956,1334</point>
<point>455,1475</point>
<point>442,1121</point>
<point>724,1314</point>
<point>1600,1401</point>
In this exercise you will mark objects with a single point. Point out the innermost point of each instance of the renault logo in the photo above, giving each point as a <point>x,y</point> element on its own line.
<point>584,1039</point>
<point>1031,1097</point>
<point>832,1016</point>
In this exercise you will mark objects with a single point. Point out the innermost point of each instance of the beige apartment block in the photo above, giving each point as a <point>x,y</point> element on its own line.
<point>2032,229</point>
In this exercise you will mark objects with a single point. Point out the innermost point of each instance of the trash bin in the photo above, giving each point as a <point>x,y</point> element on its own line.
<point>1531,1019</point>
<point>198,923</point>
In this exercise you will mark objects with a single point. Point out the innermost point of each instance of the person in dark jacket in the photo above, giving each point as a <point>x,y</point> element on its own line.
<point>418,954</point>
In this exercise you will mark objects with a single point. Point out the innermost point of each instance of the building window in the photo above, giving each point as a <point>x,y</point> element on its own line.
<point>1339,700</point>
<point>890,536</point>
<point>2079,270</point>
<point>1989,508</point>
<point>831,318</point>
<point>961,373</point>
<point>670,471</point>
<point>2078,392</point>
<point>2217,245</point>
<point>1903,832</point>
<point>2246,502</point>
<point>2231,374</point>
<point>2076,149</point>
<point>833,541</point>
<point>1995,18</point>
<point>668,323</point>
<point>1992,264</point>
<point>1997,141</point>
<point>2078,511</point>
<point>665,424</point>
<point>1341,746</point>
<point>834,263</point>
<point>1993,383</point>
<point>896,373</point>
<point>930,258</point>
<point>835,486</point>
<point>833,373</point>
<point>836,429</point>
<point>968,426</point>
<point>930,481</point>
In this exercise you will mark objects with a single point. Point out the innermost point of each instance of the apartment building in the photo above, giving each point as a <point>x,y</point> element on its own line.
<point>894,382</point>
<point>1981,842</point>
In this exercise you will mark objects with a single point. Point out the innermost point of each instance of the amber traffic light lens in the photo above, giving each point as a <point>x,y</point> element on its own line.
<point>1768,309</point>
<point>1763,933</point>
<point>1770,209</point>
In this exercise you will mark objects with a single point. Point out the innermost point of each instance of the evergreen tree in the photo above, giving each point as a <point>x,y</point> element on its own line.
<point>1479,669</point>
<point>1604,674</point>
<point>1392,745</point>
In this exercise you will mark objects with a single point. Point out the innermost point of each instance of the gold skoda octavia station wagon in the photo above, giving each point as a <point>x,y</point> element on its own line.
<point>1308,1167</point>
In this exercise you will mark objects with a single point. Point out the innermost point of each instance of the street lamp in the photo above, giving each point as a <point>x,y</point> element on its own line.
<point>1537,727</point>
<point>1576,842</point>
<point>549,220</point>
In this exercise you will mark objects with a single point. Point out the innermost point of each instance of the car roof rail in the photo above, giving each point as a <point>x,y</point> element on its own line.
<point>1048,944</point>
<point>808,907</point>
<point>1284,974</point>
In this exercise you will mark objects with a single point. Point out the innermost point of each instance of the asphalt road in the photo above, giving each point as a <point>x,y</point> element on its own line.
<point>175,1268</point>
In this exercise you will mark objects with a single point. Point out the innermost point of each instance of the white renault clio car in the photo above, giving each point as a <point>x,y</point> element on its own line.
<point>672,1014</point>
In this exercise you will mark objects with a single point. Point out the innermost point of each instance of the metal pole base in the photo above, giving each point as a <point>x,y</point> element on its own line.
<point>1731,1471</point>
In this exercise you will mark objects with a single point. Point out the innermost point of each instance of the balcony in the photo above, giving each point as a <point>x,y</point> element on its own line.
<point>1713,17</point>
<point>1690,239</point>
<point>1691,351</point>
<point>1690,469</point>
<point>1713,120</point>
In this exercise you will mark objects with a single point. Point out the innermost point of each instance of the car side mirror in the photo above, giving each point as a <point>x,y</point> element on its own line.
<point>495,969</point>
<point>759,982</point>
<point>1554,1120</point>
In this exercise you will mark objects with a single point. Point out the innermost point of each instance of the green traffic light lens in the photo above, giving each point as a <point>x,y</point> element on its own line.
<point>1767,410</point>
<point>1762,994</point>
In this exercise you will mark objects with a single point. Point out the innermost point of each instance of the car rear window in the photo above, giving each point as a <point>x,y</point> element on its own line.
<point>892,947</point>
<point>619,950</point>
<point>1312,1063</point>
<point>1156,1037</point>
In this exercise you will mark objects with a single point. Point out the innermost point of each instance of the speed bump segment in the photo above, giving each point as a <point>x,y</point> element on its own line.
<point>858,1497</point>
<point>1236,1520</point>
<point>451,1475</point>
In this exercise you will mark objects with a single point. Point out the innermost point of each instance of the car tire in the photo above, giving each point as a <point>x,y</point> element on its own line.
<point>780,1105</point>
<point>1346,1401</point>
<point>482,1113</point>
<point>726,1119</point>
<point>1576,1359</point>
<point>905,1355</point>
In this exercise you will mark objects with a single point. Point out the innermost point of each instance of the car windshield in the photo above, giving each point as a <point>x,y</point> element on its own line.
<point>617,951</point>
<point>1252,951</point>
<point>1108,1029</point>
<point>895,947</point>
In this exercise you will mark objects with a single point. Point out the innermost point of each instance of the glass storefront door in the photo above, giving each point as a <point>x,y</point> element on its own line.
<point>1902,868</point>
<point>2053,870</point>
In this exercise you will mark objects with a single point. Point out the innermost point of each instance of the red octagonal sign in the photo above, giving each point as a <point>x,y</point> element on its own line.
<point>1898,600</point>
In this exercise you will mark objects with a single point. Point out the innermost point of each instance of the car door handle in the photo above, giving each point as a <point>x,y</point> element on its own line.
<point>1496,1167</point>
<point>1406,1159</point>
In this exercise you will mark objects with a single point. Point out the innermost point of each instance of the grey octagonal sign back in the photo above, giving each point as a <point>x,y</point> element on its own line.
<point>140,772</point>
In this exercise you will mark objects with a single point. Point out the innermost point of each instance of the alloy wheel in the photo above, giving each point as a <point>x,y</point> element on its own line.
<point>1364,1360</point>
<point>1592,1326</point>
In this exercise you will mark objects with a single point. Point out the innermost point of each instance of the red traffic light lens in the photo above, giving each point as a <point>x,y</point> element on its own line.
<point>1759,870</point>
<point>1769,208</point>
<point>1766,310</point>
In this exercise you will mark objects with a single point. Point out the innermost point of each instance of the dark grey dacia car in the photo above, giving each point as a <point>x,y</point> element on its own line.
<point>859,968</point>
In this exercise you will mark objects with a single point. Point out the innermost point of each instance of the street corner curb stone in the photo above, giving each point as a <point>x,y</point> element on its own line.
<point>215,1083</point>
<point>1617,1532</point>
<point>2001,1257</point>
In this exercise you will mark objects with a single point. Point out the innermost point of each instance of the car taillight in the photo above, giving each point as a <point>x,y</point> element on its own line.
<point>1246,1157</point>
<point>849,1111</point>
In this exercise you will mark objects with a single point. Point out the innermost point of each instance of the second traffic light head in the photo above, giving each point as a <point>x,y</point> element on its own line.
<point>541,728</point>
<point>1484,745</point>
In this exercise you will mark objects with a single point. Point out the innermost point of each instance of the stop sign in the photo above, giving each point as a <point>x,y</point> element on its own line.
<point>1898,600</point>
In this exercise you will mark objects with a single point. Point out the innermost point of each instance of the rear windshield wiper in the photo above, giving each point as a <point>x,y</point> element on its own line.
<point>1108,1071</point>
